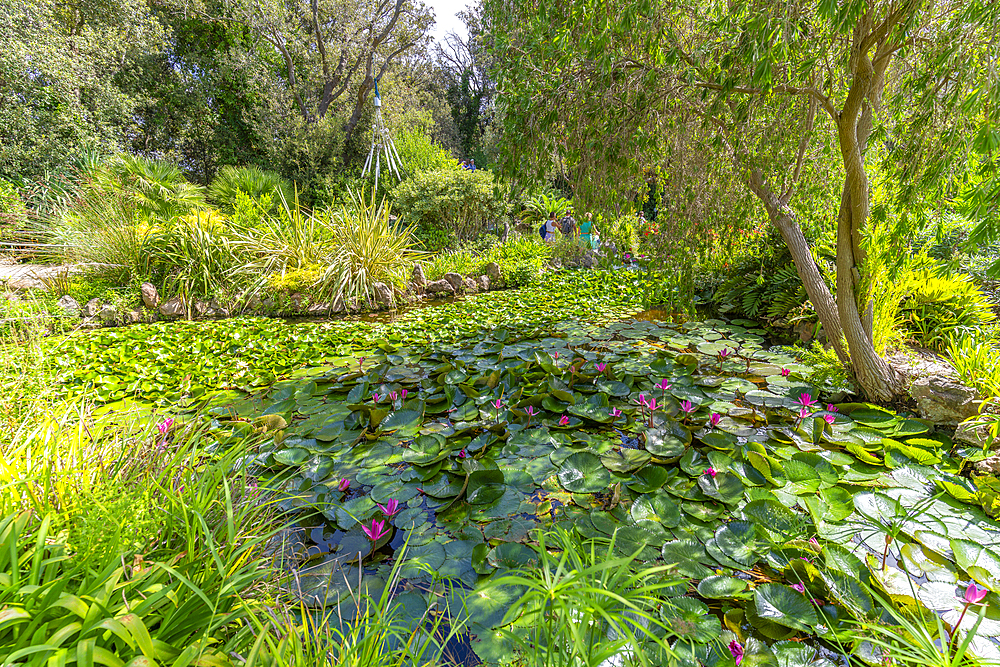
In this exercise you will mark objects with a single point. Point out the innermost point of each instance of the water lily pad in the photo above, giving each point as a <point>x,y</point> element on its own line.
<point>724,486</point>
<point>738,540</point>
<point>657,508</point>
<point>785,606</point>
<point>583,472</point>
<point>721,587</point>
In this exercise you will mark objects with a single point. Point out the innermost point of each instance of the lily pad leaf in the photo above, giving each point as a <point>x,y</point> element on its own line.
<point>721,587</point>
<point>785,606</point>
<point>739,541</point>
<point>583,472</point>
<point>724,486</point>
<point>659,508</point>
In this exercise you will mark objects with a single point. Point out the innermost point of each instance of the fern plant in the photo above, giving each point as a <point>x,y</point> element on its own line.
<point>253,182</point>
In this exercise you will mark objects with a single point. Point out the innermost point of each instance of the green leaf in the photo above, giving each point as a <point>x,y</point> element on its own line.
<point>583,472</point>
<point>785,606</point>
<point>721,587</point>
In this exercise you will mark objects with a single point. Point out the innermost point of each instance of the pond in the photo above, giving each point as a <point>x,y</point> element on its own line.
<point>692,444</point>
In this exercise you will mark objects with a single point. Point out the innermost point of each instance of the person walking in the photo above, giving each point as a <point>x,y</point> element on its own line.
<point>567,225</point>
<point>472,164</point>
<point>588,232</point>
<point>551,227</point>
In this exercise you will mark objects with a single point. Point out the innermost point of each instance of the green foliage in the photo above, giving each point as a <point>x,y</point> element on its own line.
<point>542,205</point>
<point>521,259</point>
<point>937,306</point>
<point>419,152</point>
<point>252,182</point>
<point>458,202</point>
<point>621,233</point>
<point>585,604</point>
<point>12,210</point>
<point>157,187</point>
<point>196,256</point>
<point>463,262</point>
<point>976,359</point>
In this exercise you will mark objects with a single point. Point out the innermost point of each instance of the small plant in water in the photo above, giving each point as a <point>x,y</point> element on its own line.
<point>344,485</point>
<point>376,531</point>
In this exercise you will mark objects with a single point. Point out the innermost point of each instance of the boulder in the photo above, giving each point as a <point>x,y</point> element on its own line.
<point>150,297</point>
<point>418,276</point>
<point>589,259</point>
<point>216,309</point>
<point>456,281</point>
<point>977,436</point>
<point>440,288</point>
<point>338,304</point>
<point>133,316</point>
<point>297,298</point>
<point>200,307</point>
<point>318,308</point>
<point>68,305</point>
<point>493,273</point>
<point>384,296</point>
<point>944,400</point>
<point>174,307</point>
<point>471,286</point>
<point>484,283</point>
<point>108,313</point>
<point>91,308</point>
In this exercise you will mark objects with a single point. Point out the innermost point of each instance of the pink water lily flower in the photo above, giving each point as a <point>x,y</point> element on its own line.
<point>402,394</point>
<point>615,412</point>
<point>806,401</point>
<point>600,367</point>
<point>344,485</point>
<point>737,650</point>
<point>530,411</point>
<point>663,385</point>
<point>462,454</point>
<point>361,362</point>
<point>711,472</point>
<point>785,372</point>
<point>651,404</point>
<point>813,541</point>
<point>498,404</point>
<point>563,420</point>
<point>804,413</point>
<point>974,594</point>
<point>376,531</point>
<point>391,508</point>
<point>165,425</point>
<point>723,353</point>
<point>829,419</point>
<point>393,396</point>
<point>642,401</point>
<point>715,419</point>
<point>799,587</point>
<point>376,397</point>
<point>687,406</point>
<point>555,355</point>
<point>830,407</point>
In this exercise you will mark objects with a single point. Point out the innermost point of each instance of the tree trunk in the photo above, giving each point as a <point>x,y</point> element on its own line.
<point>783,218</point>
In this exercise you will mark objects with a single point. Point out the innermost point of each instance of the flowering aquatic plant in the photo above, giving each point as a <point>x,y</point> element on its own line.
<point>829,419</point>
<point>165,425</point>
<point>376,397</point>
<point>391,508</point>
<point>711,472</point>
<point>715,419</point>
<point>344,485</point>
<point>785,372</point>
<point>376,531</point>
<point>687,407</point>
<point>563,420</point>
<point>736,649</point>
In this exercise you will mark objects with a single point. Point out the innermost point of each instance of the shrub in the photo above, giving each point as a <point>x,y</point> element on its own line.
<point>935,306</point>
<point>976,359</point>
<point>542,205</point>
<point>419,153</point>
<point>521,259</point>
<point>157,187</point>
<point>458,202</point>
<point>196,255</point>
<point>250,181</point>
<point>621,232</point>
<point>369,246</point>
<point>463,262</point>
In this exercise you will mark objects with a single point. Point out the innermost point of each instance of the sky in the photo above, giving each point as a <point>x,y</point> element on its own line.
<point>445,19</point>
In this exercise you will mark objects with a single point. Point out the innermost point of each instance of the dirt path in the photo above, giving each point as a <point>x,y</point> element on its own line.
<point>27,276</point>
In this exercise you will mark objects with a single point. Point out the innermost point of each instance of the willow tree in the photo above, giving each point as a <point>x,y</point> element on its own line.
<point>780,94</point>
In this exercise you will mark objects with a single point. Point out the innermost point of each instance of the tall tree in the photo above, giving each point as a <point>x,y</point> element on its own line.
<point>465,64</point>
<point>59,78</point>
<point>332,52</point>
<point>784,91</point>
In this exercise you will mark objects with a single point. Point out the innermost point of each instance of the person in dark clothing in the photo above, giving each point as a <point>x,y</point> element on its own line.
<point>567,225</point>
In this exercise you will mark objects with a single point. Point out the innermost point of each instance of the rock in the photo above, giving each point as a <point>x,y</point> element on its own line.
<point>418,276</point>
<point>493,273</point>
<point>484,283</point>
<point>589,259</point>
<point>133,316</point>
<point>440,287</point>
<point>978,436</point>
<point>200,307</point>
<point>297,298</point>
<point>456,281</point>
<point>68,305</point>
<point>91,308</point>
<point>944,400</point>
<point>216,309</point>
<point>804,330</point>
<point>384,296</point>
<point>174,307</point>
<point>338,304</point>
<point>108,313</point>
<point>150,297</point>
<point>317,308</point>
<point>471,286</point>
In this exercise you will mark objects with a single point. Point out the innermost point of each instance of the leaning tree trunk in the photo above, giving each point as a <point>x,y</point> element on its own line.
<point>878,380</point>
<point>783,218</point>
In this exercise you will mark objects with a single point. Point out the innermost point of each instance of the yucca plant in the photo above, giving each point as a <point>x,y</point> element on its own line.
<point>253,182</point>
<point>369,247</point>
<point>197,255</point>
